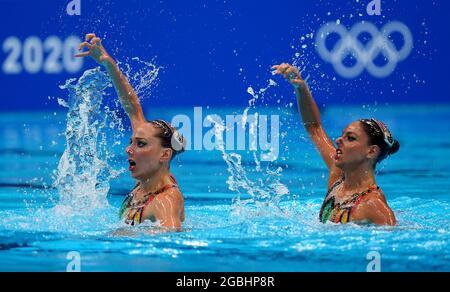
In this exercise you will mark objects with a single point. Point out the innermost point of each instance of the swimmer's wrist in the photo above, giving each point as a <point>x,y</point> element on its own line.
<point>302,90</point>
<point>109,64</point>
<point>301,86</point>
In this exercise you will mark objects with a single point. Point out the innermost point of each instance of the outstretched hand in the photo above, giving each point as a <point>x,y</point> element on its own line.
<point>96,50</point>
<point>291,73</point>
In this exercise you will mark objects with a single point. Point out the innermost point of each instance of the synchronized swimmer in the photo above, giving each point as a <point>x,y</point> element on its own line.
<point>156,195</point>
<point>353,195</point>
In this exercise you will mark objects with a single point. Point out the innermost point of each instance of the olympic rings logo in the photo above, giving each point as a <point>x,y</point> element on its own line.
<point>365,56</point>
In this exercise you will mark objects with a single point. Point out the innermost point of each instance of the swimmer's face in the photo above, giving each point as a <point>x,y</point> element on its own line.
<point>353,148</point>
<point>146,156</point>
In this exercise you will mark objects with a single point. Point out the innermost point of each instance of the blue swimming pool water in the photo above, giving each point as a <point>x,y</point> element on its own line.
<point>37,233</point>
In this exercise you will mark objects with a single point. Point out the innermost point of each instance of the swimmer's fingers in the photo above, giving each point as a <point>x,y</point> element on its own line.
<point>96,41</point>
<point>89,36</point>
<point>85,45</point>
<point>291,73</point>
<point>280,69</point>
<point>283,67</point>
<point>275,69</point>
<point>96,50</point>
<point>80,55</point>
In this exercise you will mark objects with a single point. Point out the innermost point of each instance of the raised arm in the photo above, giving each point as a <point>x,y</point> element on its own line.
<point>125,91</point>
<point>310,116</point>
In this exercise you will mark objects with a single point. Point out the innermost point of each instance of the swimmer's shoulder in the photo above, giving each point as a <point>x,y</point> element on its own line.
<point>375,197</point>
<point>172,195</point>
<point>374,206</point>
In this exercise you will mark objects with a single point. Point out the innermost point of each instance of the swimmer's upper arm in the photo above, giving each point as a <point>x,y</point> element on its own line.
<point>326,149</point>
<point>136,115</point>
<point>323,144</point>
<point>375,209</point>
<point>127,96</point>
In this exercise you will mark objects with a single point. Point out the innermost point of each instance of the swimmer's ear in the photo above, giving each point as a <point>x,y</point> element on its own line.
<point>166,155</point>
<point>374,151</point>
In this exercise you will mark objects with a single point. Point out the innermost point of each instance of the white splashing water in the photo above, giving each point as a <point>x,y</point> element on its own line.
<point>79,167</point>
<point>266,190</point>
<point>83,174</point>
<point>143,76</point>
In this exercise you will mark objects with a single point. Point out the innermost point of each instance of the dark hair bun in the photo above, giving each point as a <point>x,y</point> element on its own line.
<point>395,147</point>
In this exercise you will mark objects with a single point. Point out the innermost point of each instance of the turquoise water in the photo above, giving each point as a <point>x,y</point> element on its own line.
<point>222,232</point>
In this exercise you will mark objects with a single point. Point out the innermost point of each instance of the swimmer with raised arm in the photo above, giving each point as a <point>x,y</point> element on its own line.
<point>353,195</point>
<point>153,145</point>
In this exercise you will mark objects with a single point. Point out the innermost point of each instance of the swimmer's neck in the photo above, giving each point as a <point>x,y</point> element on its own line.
<point>358,178</point>
<point>156,181</point>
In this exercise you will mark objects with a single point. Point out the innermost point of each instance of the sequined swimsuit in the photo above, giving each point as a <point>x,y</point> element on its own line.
<point>341,212</point>
<point>132,213</point>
